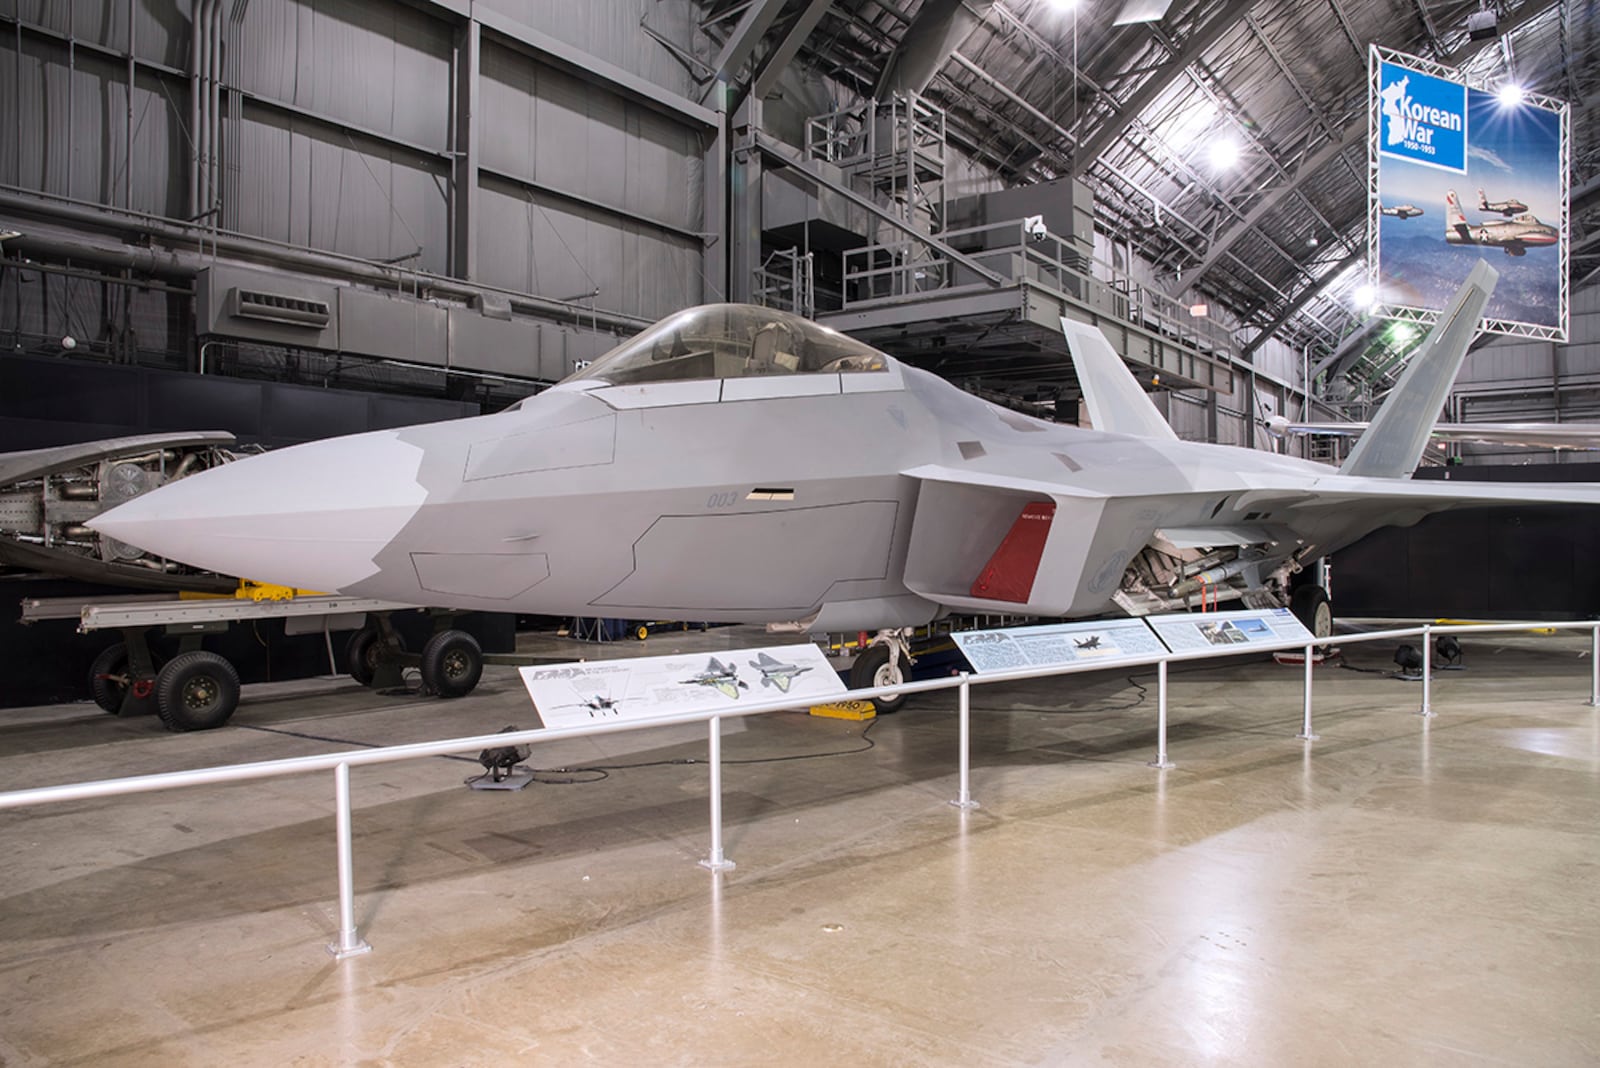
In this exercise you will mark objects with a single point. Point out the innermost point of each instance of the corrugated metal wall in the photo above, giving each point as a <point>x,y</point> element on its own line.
<point>339,135</point>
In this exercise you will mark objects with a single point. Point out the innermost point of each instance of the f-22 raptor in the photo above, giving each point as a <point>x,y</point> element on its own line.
<point>776,673</point>
<point>741,464</point>
<point>724,678</point>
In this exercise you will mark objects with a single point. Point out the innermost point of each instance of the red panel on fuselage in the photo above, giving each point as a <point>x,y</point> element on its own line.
<point>1009,574</point>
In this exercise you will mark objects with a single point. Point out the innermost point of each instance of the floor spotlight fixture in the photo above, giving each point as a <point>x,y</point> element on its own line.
<point>1449,650</point>
<point>501,760</point>
<point>1409,661</point>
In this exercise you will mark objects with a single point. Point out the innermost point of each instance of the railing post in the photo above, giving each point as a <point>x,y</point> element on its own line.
<point>1161,760</point>
<point>963,798</point>
<point>350,943</point>
<point>1594,666</point>
<point>716,861</point>
<point>1427,671</point>
<point>1305,721</point>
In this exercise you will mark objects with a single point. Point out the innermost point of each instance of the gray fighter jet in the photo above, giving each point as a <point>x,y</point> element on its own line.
<point>1403,211</point>
<point>1515,236</point>
<point>741,464</point>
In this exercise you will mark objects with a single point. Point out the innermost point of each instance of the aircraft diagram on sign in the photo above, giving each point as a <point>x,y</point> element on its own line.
<point>724,678</point>
<point>1088,643</point>
<point>775,672</point>
<point>681,476</point>
<point>1403,211</point>
<point>1516,236</point>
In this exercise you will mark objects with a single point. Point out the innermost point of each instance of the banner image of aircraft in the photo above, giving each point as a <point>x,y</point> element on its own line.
<point>775,672</point>
<point>1516,237</point>
<point>1508,208</point>
<point>1403,211</point>
<point>674,478</point>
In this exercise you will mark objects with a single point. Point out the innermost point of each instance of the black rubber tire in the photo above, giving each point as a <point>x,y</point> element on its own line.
<point>872,668</point>
<point>109,692</point>
<point>452,664</point>
<point>1312,608</point>
<point>362,652</point>
<point>197,691</point>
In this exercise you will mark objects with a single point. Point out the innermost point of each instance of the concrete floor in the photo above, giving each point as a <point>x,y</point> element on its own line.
<point>1403,891</point>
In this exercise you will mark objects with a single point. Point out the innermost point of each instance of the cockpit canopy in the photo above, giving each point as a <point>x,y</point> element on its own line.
<point>731,341</point>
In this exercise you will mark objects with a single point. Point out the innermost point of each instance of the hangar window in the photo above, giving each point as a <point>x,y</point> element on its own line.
<point>732,341</point>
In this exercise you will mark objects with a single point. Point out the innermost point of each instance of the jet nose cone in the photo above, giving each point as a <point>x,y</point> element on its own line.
<point>311,516</point>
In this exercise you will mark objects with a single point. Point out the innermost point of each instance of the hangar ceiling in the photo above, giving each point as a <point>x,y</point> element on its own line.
<point>1039,89</point>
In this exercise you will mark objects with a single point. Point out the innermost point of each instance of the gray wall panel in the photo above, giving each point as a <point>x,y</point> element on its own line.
<point>562,133</point>
<point>371,63</point>
<point>299,184</point>
<point>609,30</point>
<point>558,249</point>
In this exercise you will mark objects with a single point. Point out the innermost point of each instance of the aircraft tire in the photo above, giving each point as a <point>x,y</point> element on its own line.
<point>196,691</point>
<point>452,663</point>
<point>873,668</point>
<point>363,652</point>
<point>1312,608</point>
<point>107,691</point>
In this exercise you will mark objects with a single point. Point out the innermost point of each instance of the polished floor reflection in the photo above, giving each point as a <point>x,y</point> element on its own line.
<point>1403,890</point>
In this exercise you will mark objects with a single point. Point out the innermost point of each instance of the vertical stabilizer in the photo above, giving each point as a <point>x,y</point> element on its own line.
<point>1392,446</point>
<point>1114,398</point>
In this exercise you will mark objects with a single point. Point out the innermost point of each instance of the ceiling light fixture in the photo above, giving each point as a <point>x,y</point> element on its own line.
<point>1224,153</point>
<point>1511,95</point>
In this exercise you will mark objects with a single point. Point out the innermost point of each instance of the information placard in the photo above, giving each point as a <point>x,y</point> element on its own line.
<point>643,687</point>
<point>1187,632</point>
<point>1105,642</point>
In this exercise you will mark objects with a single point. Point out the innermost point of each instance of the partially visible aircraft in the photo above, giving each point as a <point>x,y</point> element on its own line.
<point>1403,211</point>
<point>1576,436</point>
<point>741,464</point>
<point>48,496</point>
<point>724,678</point>
<point>776,673</point>
<point>1508,208</point>
<point>1516,237</point>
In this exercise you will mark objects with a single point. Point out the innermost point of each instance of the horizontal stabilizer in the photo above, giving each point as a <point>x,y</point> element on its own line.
<point>1116,403</point>
<point>1392,446</point>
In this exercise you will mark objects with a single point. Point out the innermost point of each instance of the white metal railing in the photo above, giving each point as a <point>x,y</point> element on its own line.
<point>350,942</point>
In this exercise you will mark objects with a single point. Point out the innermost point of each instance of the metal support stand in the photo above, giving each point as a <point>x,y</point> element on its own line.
<point>1426,710</point>
<point>1594,667</point>
<point>1161,760</point>
<point>716,861</point>
<point>1306,734</point>
<point>963,798</point>
<point>350,943</point>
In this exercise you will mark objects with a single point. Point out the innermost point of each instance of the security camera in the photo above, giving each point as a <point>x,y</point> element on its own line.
<point>1034,226</point>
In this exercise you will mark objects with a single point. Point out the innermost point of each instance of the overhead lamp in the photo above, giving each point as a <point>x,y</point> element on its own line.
<point>1224,153</point>
<point>1483,25</point>
<point>1141,11</point>
<point>1365,297</point>
<point>1199,311</point>
<point>1511,95</point>
<point>1400,333</point>
<point>7,234</point>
